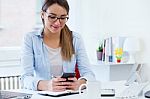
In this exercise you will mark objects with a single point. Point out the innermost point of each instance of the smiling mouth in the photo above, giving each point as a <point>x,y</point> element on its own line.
<point>56,27</point>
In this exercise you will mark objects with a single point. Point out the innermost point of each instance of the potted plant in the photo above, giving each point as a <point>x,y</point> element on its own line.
<point>118,54</point>
<point>99,52</point>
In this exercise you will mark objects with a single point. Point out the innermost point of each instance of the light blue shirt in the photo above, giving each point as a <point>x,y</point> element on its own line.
<point>36,64</point>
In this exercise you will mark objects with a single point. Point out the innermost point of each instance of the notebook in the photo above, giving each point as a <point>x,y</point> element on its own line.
<point>14,95</point>
<point>58,94</point>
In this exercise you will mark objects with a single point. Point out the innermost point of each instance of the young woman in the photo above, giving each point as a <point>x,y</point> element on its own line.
<point>54,49</point>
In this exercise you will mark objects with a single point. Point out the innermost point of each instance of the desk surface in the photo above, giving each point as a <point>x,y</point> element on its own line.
<point>117,85</point>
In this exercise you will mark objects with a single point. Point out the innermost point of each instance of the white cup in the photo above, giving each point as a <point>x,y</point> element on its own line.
<point>92,91</point>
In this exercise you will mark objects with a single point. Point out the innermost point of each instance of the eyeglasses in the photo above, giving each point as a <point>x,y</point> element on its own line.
<point>53,18</point>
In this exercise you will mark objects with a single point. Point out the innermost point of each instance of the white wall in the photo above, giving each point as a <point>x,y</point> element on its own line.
<point>99,18</point>
<point>10,61</point>
<point>16,18</point>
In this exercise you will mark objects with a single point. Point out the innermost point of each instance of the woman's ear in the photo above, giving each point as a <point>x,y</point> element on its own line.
<point>42,14</point>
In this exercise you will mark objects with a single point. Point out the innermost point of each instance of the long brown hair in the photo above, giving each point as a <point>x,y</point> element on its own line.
<point>66,37</point>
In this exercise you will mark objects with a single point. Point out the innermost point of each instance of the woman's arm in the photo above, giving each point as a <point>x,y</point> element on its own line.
<point>28,79</point>
<point>82,58</point>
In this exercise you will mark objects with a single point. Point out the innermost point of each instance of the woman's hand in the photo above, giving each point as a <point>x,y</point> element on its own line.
<point>75,84</point>
<point>57,84</point>
<point>60,84</point>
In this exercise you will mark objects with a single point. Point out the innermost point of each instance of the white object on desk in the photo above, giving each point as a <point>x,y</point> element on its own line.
<point>133,91</point>
<point>92,91</point>
<point>107,92</point>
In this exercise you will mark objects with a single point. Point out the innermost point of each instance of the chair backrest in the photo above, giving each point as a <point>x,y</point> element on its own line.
<point>77,71</point>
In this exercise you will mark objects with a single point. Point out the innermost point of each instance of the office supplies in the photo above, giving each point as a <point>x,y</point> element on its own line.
<point>134,90</point>
<point>147,94</point>
<point>107,92</point>
<point>58,94</point>
<point>14,95</point>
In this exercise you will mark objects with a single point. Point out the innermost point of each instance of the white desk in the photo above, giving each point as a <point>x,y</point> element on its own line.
<point>117,85</point>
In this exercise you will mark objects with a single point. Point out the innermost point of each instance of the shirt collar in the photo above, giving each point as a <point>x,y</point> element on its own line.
<point>39,32</point>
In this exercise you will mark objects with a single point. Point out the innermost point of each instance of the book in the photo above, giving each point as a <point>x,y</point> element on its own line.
<point>110,50</point>
<point>103,55</point>
<point>107,50</point>
<point>109,46</point>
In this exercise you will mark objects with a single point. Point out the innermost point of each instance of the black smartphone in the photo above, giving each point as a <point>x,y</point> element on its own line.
<point>68,75</point>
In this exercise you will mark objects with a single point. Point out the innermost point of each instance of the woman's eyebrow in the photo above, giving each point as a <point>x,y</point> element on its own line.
<point>51,13</point>
<point>56,14</point>
<point>64,15</point>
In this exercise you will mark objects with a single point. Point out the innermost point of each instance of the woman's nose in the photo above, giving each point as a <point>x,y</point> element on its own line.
<point>57,22</point>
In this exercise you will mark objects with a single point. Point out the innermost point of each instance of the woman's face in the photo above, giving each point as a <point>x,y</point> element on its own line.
<point>55,18</point>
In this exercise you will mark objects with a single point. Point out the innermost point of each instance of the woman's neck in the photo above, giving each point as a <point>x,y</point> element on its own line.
<point>51,35</point>
<point>52,39</point>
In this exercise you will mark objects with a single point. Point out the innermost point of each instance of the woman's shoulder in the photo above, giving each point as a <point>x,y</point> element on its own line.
<point>77,38</point>
<point>37,32</point>
<point>76,35</point>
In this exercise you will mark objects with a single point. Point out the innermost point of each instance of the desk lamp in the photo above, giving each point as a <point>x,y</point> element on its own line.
<point>131,45</point>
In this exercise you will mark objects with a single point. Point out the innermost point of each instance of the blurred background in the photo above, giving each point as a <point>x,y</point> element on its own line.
<point>93,19</point>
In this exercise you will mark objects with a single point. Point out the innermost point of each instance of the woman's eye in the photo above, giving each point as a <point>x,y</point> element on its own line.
<point>52,17</point>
